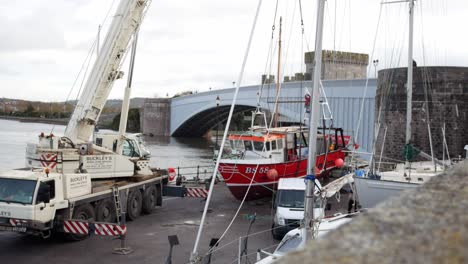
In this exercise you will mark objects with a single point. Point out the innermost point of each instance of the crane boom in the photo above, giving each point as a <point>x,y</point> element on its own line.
<point>106,69</point>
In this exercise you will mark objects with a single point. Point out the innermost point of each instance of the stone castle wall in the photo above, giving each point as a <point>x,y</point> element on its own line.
<point>339,65</point>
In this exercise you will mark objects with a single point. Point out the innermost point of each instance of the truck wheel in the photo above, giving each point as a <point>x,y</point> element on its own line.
<point>150,199</point>
<point>82,212</point>
<point>105,211</point>
<point>134,204</point>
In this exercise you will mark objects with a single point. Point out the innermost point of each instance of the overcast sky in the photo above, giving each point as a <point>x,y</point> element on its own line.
<point>194,45</point>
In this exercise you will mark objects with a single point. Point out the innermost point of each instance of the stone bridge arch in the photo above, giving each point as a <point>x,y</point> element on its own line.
<point>194,115</point>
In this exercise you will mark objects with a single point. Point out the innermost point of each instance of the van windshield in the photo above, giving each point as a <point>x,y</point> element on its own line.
<point>291,198</point>
<point>17,190</point>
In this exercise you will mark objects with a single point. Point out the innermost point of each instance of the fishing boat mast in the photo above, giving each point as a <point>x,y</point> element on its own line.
<point>313,123</point>
<point>278,79</point>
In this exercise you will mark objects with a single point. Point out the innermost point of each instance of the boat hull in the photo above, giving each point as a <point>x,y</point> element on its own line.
<point>373,191</point>
<point>238,175</point>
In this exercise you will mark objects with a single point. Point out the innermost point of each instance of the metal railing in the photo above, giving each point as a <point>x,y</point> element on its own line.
<point>196,173</point>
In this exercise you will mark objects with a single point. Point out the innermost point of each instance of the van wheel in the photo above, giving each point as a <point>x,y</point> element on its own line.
<point>134,204</point>
<point>150,199</point>
<point>82,212</point>
<point>105,211</point>
<point>274,233</point>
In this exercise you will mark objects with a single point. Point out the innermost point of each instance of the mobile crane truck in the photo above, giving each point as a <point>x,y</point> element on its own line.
<point>74,177</point>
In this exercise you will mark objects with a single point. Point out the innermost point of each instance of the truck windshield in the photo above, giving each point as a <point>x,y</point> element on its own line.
<point>291,198</point>
<point>17,190</point>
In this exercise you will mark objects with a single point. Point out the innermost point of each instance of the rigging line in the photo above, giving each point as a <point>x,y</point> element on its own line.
<point>253,253</point>
<point>108,12</point>
<point>251,235</point>
<point>237,212</point>
<point>274,18</point>
<point>269,76</point>
<point>83,80</point>
<point>93,46</point>
<point>367,79</point>
<point>231,111</point>
<point>265,72</point>
<point>342,26</point>
<point>269,56</point>
<point>90,51</point>
<point>334,30</point>
<point>289,40</point>
<point>426,86</point>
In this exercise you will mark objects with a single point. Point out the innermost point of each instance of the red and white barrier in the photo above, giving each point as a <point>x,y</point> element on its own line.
<point>100,229</point>
<point>197,192</point>
<point>48,160</point>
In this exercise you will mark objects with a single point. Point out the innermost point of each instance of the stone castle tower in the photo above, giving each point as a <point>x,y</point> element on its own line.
<point>339,65</point>
<point>440,99</point>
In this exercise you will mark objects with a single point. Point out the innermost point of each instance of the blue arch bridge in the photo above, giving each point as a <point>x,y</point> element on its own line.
<point>194,115</point>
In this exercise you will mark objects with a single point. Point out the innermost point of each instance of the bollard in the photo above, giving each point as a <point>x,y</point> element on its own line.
<point>123,249</point>
<point>173,241</point>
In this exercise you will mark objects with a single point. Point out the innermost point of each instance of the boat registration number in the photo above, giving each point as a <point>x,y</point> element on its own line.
<point>254,170</point>
<point>13,228</point>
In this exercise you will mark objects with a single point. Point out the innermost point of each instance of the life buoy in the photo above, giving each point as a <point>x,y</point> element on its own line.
<point>307,100</point>
<point>172,174</point>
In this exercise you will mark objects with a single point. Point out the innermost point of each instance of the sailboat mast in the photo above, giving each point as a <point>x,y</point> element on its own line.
<point>278,79</point>
<point>313,122</point>
<point>409,85</point>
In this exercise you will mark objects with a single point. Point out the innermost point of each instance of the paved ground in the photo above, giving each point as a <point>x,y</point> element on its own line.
<point>148,235</point>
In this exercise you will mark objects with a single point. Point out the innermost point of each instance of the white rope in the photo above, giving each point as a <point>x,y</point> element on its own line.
<point>231,111</point>
<point>367,79</point>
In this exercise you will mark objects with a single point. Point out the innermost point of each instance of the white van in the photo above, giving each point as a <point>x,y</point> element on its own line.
<point>289,206</point>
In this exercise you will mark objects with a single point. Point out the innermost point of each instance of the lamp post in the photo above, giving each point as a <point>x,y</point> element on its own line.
<point>376,62</point>
<point>217,121</point>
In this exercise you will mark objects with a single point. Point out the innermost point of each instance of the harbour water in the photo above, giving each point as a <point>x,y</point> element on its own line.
<point>165,151</point>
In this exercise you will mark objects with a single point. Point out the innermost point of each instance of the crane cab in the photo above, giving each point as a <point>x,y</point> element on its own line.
<point>133,145</point>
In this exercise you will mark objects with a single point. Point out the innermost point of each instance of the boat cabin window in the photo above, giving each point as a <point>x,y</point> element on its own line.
<point>17,190</point>
<point>267,146</point>
<point>237,144</point>
<point>280,144</point>
<point>273,145</point>
<point>258,146</point>
<point>248,145</point>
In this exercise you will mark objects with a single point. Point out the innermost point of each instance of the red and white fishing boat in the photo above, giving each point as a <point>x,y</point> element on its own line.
<point>274,153</point>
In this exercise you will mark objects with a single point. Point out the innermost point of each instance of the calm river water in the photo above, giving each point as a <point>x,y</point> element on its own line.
<point>165,151</point>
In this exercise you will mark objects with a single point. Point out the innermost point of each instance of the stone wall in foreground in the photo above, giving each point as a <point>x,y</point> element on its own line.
<point>425,225</point>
